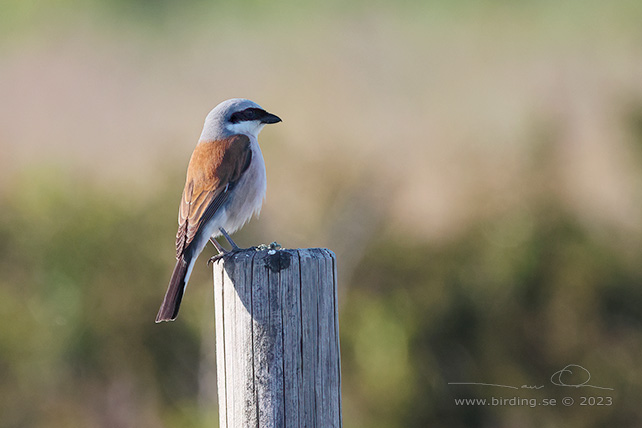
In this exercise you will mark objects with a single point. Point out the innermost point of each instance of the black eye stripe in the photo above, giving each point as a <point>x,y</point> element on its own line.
<point>251,113</point>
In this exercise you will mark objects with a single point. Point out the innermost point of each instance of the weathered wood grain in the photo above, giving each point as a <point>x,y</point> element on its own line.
<point>277,339</point>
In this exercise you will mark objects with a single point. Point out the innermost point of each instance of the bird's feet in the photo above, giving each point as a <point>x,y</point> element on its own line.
<point>224,253</point>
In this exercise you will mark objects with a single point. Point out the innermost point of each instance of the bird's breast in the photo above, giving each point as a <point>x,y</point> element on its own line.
<point>247,196</point>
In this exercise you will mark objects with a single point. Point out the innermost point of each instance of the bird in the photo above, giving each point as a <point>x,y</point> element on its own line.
<point>224,188</point>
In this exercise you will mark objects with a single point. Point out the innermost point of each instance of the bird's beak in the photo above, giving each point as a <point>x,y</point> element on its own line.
<point>270,118</point>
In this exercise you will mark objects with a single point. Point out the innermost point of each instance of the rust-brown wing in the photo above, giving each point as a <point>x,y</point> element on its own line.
<point>213,171</point>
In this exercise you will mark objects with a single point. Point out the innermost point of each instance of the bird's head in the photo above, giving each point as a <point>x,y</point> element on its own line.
<point>236,116</point>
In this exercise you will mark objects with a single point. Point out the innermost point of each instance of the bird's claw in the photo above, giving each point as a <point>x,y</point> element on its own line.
<point>219,256</point>
<point>228,253</point>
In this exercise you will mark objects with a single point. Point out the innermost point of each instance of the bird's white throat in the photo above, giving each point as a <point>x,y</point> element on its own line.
<point>251,128</point>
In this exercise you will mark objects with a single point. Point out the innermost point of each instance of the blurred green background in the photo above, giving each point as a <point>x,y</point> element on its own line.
<point>475,165</point>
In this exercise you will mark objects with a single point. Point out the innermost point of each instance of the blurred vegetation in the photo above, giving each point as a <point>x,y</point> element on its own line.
<point>510,300</point>
<point>498,243</point>
<point>80,280</point>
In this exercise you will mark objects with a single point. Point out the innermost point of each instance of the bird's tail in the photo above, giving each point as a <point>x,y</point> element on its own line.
<point>172,301</point>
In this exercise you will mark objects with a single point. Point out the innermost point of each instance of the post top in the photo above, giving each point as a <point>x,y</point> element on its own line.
<point>267,252</point>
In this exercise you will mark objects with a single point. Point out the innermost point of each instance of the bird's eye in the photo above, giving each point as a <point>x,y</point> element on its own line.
<point>250,114</point>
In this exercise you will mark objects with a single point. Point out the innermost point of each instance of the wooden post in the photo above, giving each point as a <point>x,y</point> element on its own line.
<point>277,339</point>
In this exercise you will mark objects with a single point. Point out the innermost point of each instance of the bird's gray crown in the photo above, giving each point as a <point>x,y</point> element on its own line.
<point>218,121</point>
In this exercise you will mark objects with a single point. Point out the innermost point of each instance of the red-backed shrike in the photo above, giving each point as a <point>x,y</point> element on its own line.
<point>225,186</point>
